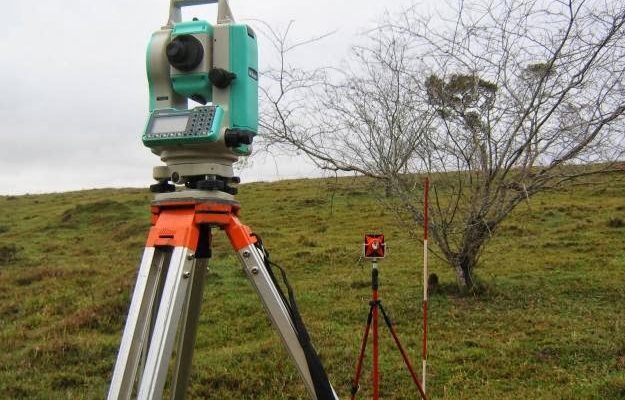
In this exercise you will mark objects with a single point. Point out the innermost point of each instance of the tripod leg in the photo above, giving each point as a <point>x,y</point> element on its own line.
<point>361,356</point>
<point>188,331</point>
<point>156,300</point>
<point>167,321</point>
<point>137,327</point>
<point>254,266</point>
<point>376,343</point>
<point>282,312</point>
<point>376,353</point>
<point>403,352</point>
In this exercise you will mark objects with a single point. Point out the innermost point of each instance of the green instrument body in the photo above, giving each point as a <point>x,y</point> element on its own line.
<point>236,109</point>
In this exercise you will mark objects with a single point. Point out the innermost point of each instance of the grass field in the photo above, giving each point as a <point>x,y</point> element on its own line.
<point>550,323</point>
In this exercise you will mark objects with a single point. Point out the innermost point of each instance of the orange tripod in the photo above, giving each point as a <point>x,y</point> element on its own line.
<point>372,322</point>
<point>167,299</point>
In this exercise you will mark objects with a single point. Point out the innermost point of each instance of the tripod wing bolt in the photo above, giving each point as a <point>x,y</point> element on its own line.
<point>162,187</point>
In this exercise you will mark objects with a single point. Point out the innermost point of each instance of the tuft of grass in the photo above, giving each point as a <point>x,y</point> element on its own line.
<point>614,388</point>
<point>307,241</point>
<point>8,253</point>
<point>616,222</point>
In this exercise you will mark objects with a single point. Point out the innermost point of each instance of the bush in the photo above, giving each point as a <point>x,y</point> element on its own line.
<point>8,254</point>
<point>616,222</point>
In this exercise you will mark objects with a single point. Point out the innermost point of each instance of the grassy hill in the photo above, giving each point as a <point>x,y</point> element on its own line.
<point>549,325</point>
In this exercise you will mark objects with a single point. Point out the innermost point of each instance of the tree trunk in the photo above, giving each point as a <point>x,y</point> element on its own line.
<point>388,189</point>
<point>466,259</point>
<point>464,270</point>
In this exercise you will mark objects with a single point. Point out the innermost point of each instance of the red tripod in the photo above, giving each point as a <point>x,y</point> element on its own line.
<point>372,319</point>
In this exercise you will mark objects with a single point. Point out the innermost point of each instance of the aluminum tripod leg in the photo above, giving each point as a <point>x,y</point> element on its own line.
<point>186,342</point>
<point>153,267</point>
<point>254,265</point>
<point>167,323</point>
<point>178,294</point>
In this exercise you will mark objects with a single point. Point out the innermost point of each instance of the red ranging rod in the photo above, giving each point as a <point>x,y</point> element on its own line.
<point>424,351</point>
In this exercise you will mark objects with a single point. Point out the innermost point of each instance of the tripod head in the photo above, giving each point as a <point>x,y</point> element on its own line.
<point>215,65</point>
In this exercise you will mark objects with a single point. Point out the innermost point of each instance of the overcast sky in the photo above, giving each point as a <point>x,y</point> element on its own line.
<point>73,92</point>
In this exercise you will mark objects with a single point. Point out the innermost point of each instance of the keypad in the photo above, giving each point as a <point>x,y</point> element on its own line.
<point>201,121</point>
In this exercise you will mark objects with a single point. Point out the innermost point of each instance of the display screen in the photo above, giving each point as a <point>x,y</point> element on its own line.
<point>175,123</point>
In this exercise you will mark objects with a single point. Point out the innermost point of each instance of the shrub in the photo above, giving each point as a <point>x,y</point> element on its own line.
<point>616,222</point>
<point>8,254</point>
<point>307,242</point>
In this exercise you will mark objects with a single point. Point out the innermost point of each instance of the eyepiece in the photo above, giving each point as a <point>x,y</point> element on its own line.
<point>185,52</point>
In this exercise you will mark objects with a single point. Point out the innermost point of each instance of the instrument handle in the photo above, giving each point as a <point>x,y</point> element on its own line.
<point>186,3</point>
<point>175,7</point>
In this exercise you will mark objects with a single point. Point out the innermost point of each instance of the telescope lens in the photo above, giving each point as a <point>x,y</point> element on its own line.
<point>185,52</point>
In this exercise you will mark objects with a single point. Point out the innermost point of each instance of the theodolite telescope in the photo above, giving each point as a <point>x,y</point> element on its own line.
<point>217,67</point>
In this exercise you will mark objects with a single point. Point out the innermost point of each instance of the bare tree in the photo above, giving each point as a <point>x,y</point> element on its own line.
<point>497,101</point>
<point>339,125</point>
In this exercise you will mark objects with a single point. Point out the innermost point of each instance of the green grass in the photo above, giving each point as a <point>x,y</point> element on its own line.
<point>550,323</point>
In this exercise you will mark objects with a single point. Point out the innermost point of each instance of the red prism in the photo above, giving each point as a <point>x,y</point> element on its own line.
<point>374,245</point>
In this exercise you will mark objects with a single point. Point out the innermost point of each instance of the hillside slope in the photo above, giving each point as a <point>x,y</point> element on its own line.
<point>549,325</point>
